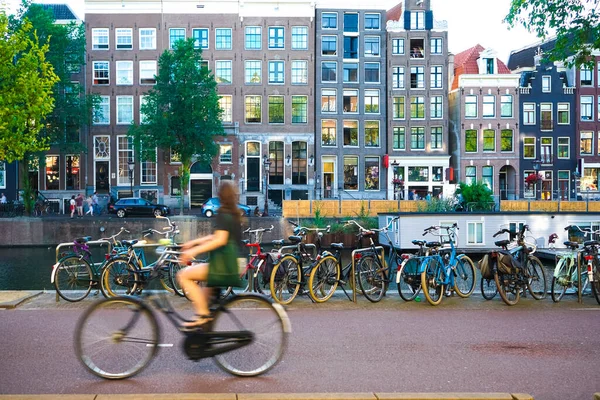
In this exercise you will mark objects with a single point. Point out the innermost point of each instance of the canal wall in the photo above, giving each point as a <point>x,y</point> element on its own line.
<point>50,231</point>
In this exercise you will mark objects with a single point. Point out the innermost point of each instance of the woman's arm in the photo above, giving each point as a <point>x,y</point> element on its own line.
<point>191,243</point>
<point>217,239</point>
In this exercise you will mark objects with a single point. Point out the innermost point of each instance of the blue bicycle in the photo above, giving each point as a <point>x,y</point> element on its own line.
<point>446,268</point>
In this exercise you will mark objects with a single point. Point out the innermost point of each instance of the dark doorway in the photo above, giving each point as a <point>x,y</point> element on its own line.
<point>200,191</point>
<point>253,174</point>
<point>102,175</point>
<point>276,196</point>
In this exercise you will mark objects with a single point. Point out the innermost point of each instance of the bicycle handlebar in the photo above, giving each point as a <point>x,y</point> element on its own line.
<point>259,230</point>
<point>113,237</point>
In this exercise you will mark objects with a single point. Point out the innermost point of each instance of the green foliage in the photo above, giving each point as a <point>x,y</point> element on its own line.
<point>318,221</point>
<point>26,82</point>
<point>575,23</point>
<point>477,195</point>
<point>181,112</point>
<point>436,205</point>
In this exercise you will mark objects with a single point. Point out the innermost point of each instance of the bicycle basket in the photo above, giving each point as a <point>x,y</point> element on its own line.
<point>485,267</point>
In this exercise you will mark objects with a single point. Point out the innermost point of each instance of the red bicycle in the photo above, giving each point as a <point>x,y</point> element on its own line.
<point>257,272</point>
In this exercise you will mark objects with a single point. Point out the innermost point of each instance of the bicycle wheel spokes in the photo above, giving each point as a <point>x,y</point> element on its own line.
<point>371,278</point>
<point>488,288</point>
<point>324,279</point>
<point>431,280</point>
<point>409,284</point>
<point>285,280</point>
<point>258,316</point>
<point>464,281</point>
<point>119,278</point>
<point>73,279</point>
<point>116,338</point>
<point>536,282</point>
<point>507,288</point>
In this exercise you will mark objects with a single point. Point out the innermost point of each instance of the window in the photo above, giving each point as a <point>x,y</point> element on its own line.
<point>586,143</point>
<point>546,116</point>
<point>350,101</point>
<point>148,167</point>
<point>371,133</point>
<point>143,117</point>
<point>100,39</point>
<point>399,137</point>
<point>564,147</point>
<point>351,173</point>
<point>223,72</point>
<point>470,174</point>
<point>71,172</point>
<point>350,133</point>
<point>299,157</point>
<point>546,150</point>
<point>372,46</point>
<point>372,21</point>
<point>276,38</point>
<point>329,72</point>
<point>329,20</point>
<point>147,38</point>
<point>350,22</point>
<point>299,38</point>
<point>418,174</point>
<point>436,77</point>
<point>417,107</point>
<point>587,108</point>
<point>586,78</point>
<point>489,140</point>
<point>329,45</point>
<point>470,106</point>
<point>148,72</point>
<point>489,106</point>
<point>299,109</point>
<point>372,73</point>
<point>470,141</point>
<point>2,175</point>
<point>436,46</point>
<point>101,73</point>
<point>475,232</point>
<point>417,138</point>
<point>225,103</point>
<point>417,77</point>
<point>398,77</point>
<point>328,100</point>
<point>223,39</point>
<point>175,186</point>
<point>398,107</point>
<point>417,48</point>
<point>397,46</point>
<point>102,113</point>
<point>436,138</point>
<point>276,110</point>
<point>253,111</point>
<point>437,107</point>
<point>529,113</point>
<point>506,140</point>
<point>276,157</point>
<point>299,72</point>
<point>124,110</point>
<point>417,20</point>
<point>528,147</point>
<point>350,72</point>
<point>52,173</point>
<point>124,38</point>
<point>124,154</point>
<point>487,176</point>
<point>253,72</point>
<point>124,72</point>
<point>372,101</point>
<point>489,65</point>
<point>546,84</point>
<point>506,106</point>
<point>371,173</point>
<point>350,47</point>
<point>175,34</point>
<point>200,36</point>
<point>276,72</point>
<point>253,39</point>
<point>328,132</point>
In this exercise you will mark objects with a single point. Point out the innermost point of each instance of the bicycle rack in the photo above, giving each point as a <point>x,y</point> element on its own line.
<point>353,269</point>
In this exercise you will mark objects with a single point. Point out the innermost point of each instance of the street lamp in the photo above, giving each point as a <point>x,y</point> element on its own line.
<point>131,166</point>
<point>267,164</point>
<point>536,167</point>
<point>394,165</point>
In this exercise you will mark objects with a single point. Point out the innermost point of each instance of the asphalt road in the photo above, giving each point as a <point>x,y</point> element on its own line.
<point>551,351</point>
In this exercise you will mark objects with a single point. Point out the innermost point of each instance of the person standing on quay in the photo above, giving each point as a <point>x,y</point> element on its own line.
<point>79,203</point>
<point>72,203</point>
<point>95,203</point>
<point>90,205</point>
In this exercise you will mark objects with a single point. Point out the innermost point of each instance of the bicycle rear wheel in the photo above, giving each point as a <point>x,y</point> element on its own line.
<point>73,278</point>
<point>371,278</point>
<point>464,281</point>
<point>558,287</point>
<point>430,280</point>
<point>536,284</point>
<point>324,279</point>
<point>409,279</point>
<point>119,278</point>
<point>507,288</point>
<point>261,279</point>
<point>269,326</point>
<point>116,338</point>
<point>488,288</point>
<point>285,280</point>
<point>174,268</point>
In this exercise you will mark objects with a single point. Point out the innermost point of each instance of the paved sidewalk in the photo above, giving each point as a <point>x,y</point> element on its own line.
<point>13,298</point>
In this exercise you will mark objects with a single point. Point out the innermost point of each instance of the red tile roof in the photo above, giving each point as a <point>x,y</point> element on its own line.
<point>394,13</point>
<point>465,62</point>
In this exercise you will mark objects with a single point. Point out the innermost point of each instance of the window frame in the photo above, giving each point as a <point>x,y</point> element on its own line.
<point>469,105</point>
<point>367,78</point>
<point>98,44</point>
<point>398,46</point>
<point>120,105</point>
<point>128,72</point>
<point>223,39</point>
<point>471,136</point>
<point>302,36</point>
<point>144,77</point>
<point>252,105</point>
<point>546,84</point>
<point>203,42</point>
<point>174,38</point>
<point>96,73</point>
<point>276,103</point>
<point>561,146</point>
<point>145,37</point>
<point>277,73</point>
<point>329,16</point>
<point>399,138</point>
<point>487,104</point>
<point>372,17</point>
<point>299,109</point>
<point>121,33</point>
<point>276,37</point>
<point>529,143</point>
<point>529,111</point>
<point>504,106</point>
<point>299,74</point>
<point>350,129</point>
<point>248,70</point>
<point>256,44</point>
<point>399,108</point>
<point>587,107</point>
<point>221,71</point>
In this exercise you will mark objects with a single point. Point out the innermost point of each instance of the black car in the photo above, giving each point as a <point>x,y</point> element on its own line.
<point>136,206</point>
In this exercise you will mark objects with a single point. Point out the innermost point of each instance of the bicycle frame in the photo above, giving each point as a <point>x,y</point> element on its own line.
<point>444,276</point>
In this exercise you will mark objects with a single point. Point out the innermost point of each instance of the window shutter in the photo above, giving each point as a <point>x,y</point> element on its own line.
<point>428,20</point>
<point>407,20</point>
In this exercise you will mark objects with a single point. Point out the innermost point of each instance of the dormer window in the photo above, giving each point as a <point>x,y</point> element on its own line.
<point>487,62</point>
<point>417,20</point>
<point>489,66</point>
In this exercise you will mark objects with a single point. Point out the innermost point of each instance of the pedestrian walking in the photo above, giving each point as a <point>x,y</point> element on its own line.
<point>3,199</point>
<point>79,203</point>
<point>90,205</point>
<point>95,203</point>
<point>72,203</point>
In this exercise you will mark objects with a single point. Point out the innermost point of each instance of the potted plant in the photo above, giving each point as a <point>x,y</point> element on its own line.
<point>532,179</point>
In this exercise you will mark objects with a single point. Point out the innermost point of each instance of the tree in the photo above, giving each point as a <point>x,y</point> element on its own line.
<point>477,194</point>
<point>181,113</point>
<point>26,81</point>
<point>574,22</point>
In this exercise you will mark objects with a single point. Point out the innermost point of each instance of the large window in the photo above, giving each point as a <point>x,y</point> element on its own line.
<point>124,38</point>
<point>372,101</point>
<point>529,114</point>
<point>546,150</point>
<point>470,174</point>
<point>436,77</point>
<point>328,132</point>
<point>100,39</point>
<point>372,72</point>
<point>223,38</point>
<point>253,39</point>
<point>124,110</point>
<point>329,71</point>
<point>372,21</point>
<point>350,47</point>
<point>437,107</point>
<point>528,147</point>
<point>417,77</point>
<point>475,233</point>
<point>299,109</point>
<point>200,36</point>
<point>371,133</point>
<point>124,72</point>
<point>489,140</point>
<point>101,115</point>
<point>147,72</point>
<point>371,173</point>
<point>276,37</point>
<point>506,140</point>
<point>398,77</point>
<point>350,173</point>
<point>564,114</point>
<point>487,176</point>
<point>328,100</point>
<point>350,72</point>
<point>350,133</point>
<point>299,38</point>
<point>124,155</point>
<point>417,20</point>
<point>253,72</point>
<point>586,146</point>
<point>506,106</point>
<point>276,157</point>
<point>350,100</point>
<point>147,38</point>
<point>101,73</point>
<point>175,34</point>
<point>399,137</point>
<point>470,106</point>
<point>329,20</point>
<point>398,110</point>
<point>328,45</point>
<point>418,174</point>
<point>299,72</point>
<point>546,117</point>
<point>417,107</point>
<point>436,46</point>
<point>586,76</point>
<point>253,109</point>
<point>397,46</point>
<point>226,104</point>
<point>350,22</point>
<point>372,46</point>
<point>470,141</point>
<point>489,106</point>
<point>276,110</point>
<point>276,71</point>
<point>52,172</point>
<point>72,172</point>
<point>564,147</point>
<point>417,138</point>
<point>587,108</point>
<point>299,157</point>
<point>223,71</point>
<point>437,138</point>
<point>149,175</point>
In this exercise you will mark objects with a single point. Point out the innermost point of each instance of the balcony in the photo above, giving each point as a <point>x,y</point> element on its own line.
<point>524,90</point>
<point>568,90</point>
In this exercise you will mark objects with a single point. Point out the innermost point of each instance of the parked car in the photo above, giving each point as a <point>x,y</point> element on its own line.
<point>136,206</point>
<point>210,207</point>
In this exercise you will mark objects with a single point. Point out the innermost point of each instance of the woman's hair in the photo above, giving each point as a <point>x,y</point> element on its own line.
<point>229,200</point>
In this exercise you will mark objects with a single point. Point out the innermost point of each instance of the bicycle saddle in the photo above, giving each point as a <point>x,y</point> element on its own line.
<point>278,242</point>
<point>502,243</point>
<point>419,242</point>
<point>591,243</point>
<point>245,242</point>
<point>433,244</point>
<point>339,246</point>
<point>571,245</point>
<point>129,243</point>
<point>83,239</point>
<point>295,239</point>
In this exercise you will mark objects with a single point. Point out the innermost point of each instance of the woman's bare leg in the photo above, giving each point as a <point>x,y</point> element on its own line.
<point>187,278</point>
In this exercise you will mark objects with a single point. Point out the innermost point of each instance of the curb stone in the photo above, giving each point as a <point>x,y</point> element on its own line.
<point>279,396</point>
<point>11,299</point>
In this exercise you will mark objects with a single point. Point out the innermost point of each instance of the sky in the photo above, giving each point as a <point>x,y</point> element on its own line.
<point>470,22</point>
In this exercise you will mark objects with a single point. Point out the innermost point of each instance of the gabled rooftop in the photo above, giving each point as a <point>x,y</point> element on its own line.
<point>394,13</point>
<point>465,62</point>
<point>60,11</point>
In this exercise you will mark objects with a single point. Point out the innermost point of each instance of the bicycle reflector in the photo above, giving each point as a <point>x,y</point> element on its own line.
<point>588,257</point>
<point>358,256</point>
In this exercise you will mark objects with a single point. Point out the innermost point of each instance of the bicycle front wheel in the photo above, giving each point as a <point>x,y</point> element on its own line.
<point>324,279</point>
<point>285,280</point>
<point>536,283</point>
<point>268,325</point>
<point>116,338</point>
<point>560,281</point>
<point>371,278</point>
<point>464,280</point>
<point>119,278</point>
<point>73,278</point>
<point>507,288</point>
<point>409,279</point>
<point>431,279</point>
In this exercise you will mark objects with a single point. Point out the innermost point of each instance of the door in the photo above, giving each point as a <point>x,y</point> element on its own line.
<point>253,174</point>
<point>102,182</point>
<point>328,179</point>
<point>200,191</point>
<point>503,185</point>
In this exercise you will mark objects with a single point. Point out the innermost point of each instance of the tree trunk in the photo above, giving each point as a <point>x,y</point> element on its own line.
<point>184,173</point>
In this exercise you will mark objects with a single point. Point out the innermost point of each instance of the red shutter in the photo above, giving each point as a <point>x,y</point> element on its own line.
<point>386,161</point>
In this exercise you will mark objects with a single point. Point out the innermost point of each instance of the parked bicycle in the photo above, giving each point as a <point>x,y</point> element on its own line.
<point>408,277</point>
<point>256,275</point>
<point>566,271</point>
<point>592,263</point>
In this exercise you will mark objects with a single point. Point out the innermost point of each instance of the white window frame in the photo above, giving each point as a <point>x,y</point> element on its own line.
<point>488,103</point>
<point>249,65</point>
<point>478,231</point>
<point>148,71</point>
<point>125,34</point>
<point>224,159</point>
<point>433,47</point>
<point>529,109</point>
<point>124,72</point>
<point>254,31</point>
<point>370,53</point>
<point>96,70</point>
<point>300,32</point>
<point>147,35</point>
<point>436,106</point>
<point>222,32</point>
<point>124,104</point>
<point>299,72</point>
<point>221,65</point>
<point>532,144</point>
<point>368,100</point>
<point>226,104</point>
<point>591,107</point>
<point>101,147</point>
<point>417,20</point>
<point>103,105</point>
<point>97,35</point>
<point>144,167</point>
<point>124,154</point>
<point>371,15</point>
<point>567,145</point>
<point>329,15</point>
<point>546,84</point>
